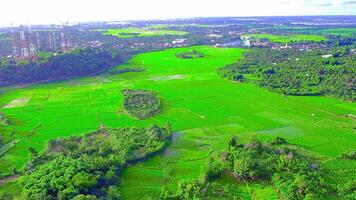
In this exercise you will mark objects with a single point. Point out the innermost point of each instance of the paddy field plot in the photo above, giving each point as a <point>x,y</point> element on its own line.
<point>20,102</point>
<point>136,32</point>
<point>203,109</point>
<point>331,31</point>
<point>286,38</point>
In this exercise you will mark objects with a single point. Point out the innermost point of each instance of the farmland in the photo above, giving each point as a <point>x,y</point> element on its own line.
<point>136,32</point>
<point>332,31</point>
<point>287,38</point>
<point>203,109</point>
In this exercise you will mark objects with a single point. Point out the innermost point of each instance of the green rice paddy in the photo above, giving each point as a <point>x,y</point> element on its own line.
<point>317,31</point>
<point>137,32</point>
<point>203,109</point>
<point>287,38</point>
<point>339,31</point>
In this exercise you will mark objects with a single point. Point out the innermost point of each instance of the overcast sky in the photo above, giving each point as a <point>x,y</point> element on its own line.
<point>50,11</point>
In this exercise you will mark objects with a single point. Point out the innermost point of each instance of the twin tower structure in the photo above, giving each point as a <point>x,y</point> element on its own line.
<point>26,43</point>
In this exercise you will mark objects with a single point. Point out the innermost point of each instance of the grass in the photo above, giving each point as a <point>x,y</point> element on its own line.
<point>318,31</point>
<point>287,38</point>
<point>339,31</point>
<point>137,32</point>
<point>203,109</point>
<point>165,26</point>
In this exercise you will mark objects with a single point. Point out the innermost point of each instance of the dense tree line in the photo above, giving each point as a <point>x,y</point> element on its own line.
<point>292,72</point>
<point>3,122</point>
<point>190,54</point>
<point>76,63</point>
<point>141,104</point>
<point>88,167</point>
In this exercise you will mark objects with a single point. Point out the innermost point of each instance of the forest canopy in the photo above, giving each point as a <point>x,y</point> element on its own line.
<point>292,72</point>
<point>63,66</point>
<point>141,104</point>
<point>190,54</point>
<point>89,167</point>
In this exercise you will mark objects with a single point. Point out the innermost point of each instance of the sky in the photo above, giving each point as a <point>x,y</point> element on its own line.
<point>50,11</point>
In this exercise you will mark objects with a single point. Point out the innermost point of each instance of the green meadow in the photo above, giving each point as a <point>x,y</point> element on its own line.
<point>317,31</point>
<point>203,109</point>
<point>287,38</point>
<point>165,26</point>
<point>137,32</point>
<point>339,31</point>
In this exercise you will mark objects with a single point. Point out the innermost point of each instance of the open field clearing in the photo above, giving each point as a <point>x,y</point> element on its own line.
<point>204,111</point>
<point>332,31</point>
<point>135,32</point>
<point>21,102</point>
<point>287,38</point>
<point>339,31</point>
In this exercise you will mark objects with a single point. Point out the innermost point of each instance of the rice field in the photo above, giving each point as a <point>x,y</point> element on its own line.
<point>287,38</point>
<point>138,32</point>
<point>203,109</point>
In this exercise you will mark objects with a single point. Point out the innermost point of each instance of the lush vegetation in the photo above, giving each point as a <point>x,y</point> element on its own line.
<point>141,104</point>
<point>293,172</point>
<point>3,122</point>
<point>64,66</point>
<point>345,32</point>
<point>89,166</point>
<point>286,38</point>
<point>190,54</point>
<point>296,73</point>
<point>193,96</point>
<point>136,32</point>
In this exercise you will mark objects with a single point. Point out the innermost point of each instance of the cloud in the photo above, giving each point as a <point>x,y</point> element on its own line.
<point>345,3</point>
<point>319,3</point>
<point>51,11</point>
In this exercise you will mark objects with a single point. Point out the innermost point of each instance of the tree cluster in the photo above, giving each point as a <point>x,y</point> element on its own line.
<point>88,167</point>
<point>293,174</point>
<point>196,190</point>
<point>292,72</point>
<point>3,122</point>
<point>190,54</point>
<point>141,104</point>
<point>63,66</point>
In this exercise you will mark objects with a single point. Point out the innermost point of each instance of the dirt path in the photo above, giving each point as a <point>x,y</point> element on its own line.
<point>8,179</point>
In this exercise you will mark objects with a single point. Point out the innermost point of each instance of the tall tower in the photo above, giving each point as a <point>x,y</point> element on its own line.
<point>52,41</point>
<point>33,49</point>
<point>66,40</point>
<point>23,45</point>
<point>38,41</point>
<point>15,49</point>
<point>63,41</point>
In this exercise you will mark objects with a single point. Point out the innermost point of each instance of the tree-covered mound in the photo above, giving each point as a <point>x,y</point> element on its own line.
<point>292,72</point>
<point>141,104</point>
<point>190,54</point>
<point>293,172</point>
<point>89,167</point>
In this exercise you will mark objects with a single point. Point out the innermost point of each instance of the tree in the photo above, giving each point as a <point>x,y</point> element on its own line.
<point>233,142</point>
<point>33,152</point>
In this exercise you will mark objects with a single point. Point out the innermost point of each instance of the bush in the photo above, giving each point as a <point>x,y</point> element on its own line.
<point>141,104</point>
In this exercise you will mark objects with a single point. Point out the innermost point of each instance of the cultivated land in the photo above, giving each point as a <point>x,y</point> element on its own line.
<point>339,31</point>
<point>333,31</point>
<point>287,38</point>
<point>135,32</point>
<point>203,109</point>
